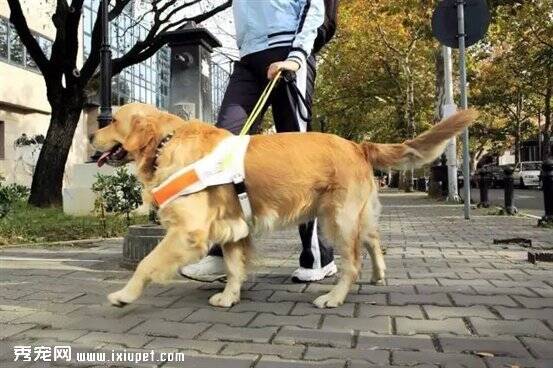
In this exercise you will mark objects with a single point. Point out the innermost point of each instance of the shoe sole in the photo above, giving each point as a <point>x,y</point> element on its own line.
<point>327,273</point>
<point>220,278</point>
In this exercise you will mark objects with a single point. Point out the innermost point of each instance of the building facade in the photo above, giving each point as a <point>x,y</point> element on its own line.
<point>23,104</point>
<point>24,109</point>
<point>146,82</point>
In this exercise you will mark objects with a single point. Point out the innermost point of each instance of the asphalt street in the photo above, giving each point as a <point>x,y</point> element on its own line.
<point>525,199</point>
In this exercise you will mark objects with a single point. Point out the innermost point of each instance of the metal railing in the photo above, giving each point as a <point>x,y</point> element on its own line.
<point>220,74</point>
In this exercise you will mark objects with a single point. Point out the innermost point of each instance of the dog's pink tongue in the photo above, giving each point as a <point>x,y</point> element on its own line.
<point>102,160</point>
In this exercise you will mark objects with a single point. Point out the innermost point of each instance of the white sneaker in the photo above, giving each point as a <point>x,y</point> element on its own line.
<point>208,269</point>
<point>314,274</point>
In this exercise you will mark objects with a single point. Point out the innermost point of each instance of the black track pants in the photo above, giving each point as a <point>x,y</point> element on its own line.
<point>246,84</point>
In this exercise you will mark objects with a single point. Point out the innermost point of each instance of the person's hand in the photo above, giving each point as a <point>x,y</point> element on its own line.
<point>281,65</point>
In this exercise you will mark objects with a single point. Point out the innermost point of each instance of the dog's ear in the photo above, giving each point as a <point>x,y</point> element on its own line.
<point>143,136</point>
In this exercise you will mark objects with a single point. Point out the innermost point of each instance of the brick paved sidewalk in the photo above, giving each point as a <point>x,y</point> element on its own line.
<point>452,299</point>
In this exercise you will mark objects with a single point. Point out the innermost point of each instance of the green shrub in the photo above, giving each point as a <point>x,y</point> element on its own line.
<point>25,140</point>
<point>10,194</point>
<point>118,194</point>
<point>28,224</point>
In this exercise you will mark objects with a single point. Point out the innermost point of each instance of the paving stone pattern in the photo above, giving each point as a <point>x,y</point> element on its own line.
<point>452,299</point>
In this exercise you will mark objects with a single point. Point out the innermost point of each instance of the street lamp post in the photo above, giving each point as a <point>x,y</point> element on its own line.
<point>104,118</point>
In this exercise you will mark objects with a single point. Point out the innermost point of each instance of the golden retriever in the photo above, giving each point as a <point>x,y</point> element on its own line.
<point>290,177</point>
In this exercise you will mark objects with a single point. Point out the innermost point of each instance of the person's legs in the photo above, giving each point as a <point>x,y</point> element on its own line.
<point>245,86</point>
<point>290,114</point>
<point>240,97</point>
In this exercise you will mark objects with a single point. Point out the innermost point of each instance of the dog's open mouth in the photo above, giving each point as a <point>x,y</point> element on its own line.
<point>115,156</point>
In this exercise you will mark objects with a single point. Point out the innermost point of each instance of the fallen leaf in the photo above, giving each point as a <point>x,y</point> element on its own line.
<point>483,354</point>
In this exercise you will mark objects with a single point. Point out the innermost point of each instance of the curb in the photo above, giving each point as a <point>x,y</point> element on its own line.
<point>519,213</point>
<point>529,215</point>
<point>77,242</point>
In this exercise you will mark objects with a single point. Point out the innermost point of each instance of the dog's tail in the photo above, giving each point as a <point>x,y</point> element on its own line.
<point>420,150</point>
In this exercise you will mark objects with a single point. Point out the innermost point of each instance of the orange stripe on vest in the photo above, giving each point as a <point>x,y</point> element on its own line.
<point>168,190</point>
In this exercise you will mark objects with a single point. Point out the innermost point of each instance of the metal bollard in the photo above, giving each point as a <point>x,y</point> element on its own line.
<point>509,208</point>
<point>420,185</point>
<point>547,186</point>
<point>445,179</point>
<point>484,185</point>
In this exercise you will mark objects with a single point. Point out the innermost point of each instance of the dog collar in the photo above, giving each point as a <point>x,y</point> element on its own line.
<point>160,146</point>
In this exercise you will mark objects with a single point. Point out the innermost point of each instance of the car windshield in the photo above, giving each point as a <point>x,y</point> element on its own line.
<point>527,166</point>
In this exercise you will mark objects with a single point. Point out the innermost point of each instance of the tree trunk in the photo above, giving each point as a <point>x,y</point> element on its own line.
<point>517,142</point>
<point>434,188</point>
<point>410,117</point>
<point>518,123</point>
<point>408,187</point>
<point>46,190</point>
<point>546,143</point>
<point>475,157</point>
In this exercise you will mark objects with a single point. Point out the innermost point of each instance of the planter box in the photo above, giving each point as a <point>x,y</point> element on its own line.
<point>140,241</point>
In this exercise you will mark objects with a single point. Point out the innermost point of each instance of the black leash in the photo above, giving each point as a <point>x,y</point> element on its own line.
<point>295,96</point>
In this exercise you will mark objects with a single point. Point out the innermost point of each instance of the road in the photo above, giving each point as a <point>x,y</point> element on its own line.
<point>525,199</point>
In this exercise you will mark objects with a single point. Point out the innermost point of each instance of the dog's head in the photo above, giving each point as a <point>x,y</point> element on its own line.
<point>134,134</point>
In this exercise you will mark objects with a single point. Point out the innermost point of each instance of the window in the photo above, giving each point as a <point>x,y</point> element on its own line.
<point>2,141</point>
<point>17,51</point>
<point>3,39</point>
<point>140,82</point>
<point>86,45</point>
<point>13,50</point>
<point>29,62</point>
<point>46,46</point>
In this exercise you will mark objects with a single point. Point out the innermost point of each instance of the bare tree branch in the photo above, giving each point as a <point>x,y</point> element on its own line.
<point>155,39</point>
<point>73,19</point>
<point>176,9</point>
<point>198,18</point>
<point>17,18</point>
<point>93,60</point>
<point>58,47</point>
<point>388,44</point>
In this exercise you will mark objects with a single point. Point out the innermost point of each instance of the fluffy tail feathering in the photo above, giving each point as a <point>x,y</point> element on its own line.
<point>420,150</point>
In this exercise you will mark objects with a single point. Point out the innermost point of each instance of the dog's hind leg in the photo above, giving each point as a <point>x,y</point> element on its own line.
<point>344,232</point>
<point>371,238</point>
<point>372,243</point>
<point>236,259</point>
<point>179,247</point>
<point>350,267</point>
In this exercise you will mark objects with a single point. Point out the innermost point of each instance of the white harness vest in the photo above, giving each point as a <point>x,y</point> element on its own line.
<point>224,165</point>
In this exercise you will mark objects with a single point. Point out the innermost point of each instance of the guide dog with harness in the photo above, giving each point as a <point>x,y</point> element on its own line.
<point>290,178</point>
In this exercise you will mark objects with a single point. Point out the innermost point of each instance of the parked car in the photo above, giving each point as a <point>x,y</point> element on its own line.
<point>461,179</point>
<point>497,175</point>
<point>527,174</point>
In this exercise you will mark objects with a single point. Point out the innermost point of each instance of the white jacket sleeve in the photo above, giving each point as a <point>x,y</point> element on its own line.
<point>312,17</point>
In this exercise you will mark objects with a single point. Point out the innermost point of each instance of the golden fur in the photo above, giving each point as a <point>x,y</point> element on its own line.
<point>291,178</point>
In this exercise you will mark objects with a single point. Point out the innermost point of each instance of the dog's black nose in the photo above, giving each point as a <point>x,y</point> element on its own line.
<point>91,137</point>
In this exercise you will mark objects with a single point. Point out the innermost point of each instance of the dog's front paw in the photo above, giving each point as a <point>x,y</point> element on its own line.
<point>224,300</point>
<point>120,298</point>
<point>328,301</point>
<point>377,279</point>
